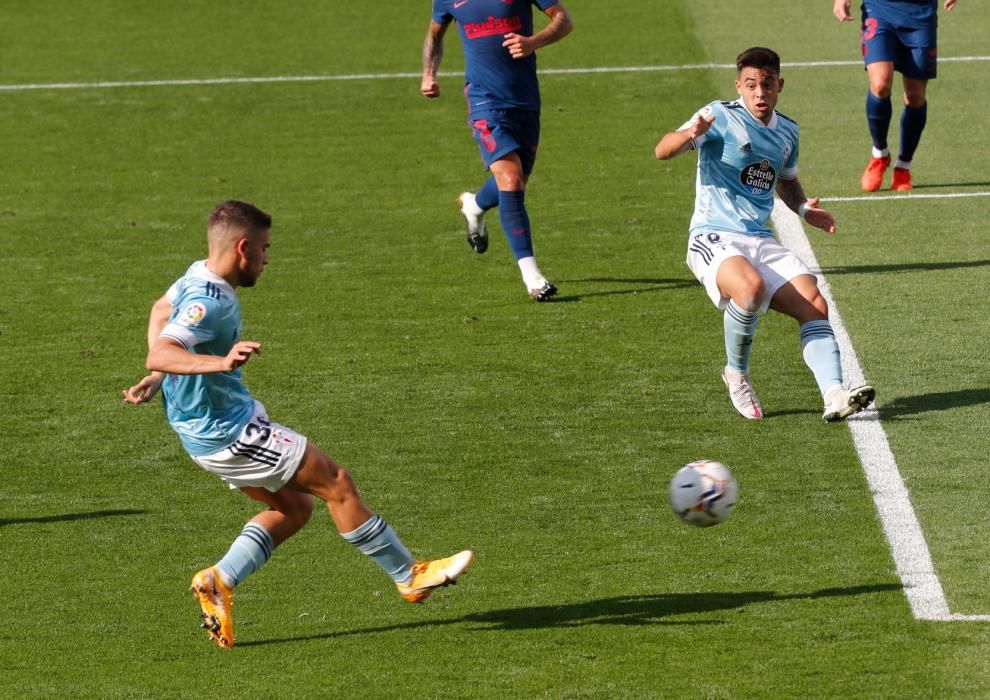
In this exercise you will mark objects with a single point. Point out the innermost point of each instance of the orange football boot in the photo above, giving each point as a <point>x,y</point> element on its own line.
<point>430,575</point>
<point>216,599</point>
<point>872,179</point>
<point>902,180</point>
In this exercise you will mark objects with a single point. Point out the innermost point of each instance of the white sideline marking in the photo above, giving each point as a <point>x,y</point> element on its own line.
<point>875,198</point>
<point>900,523</point>
<point>411,75</point>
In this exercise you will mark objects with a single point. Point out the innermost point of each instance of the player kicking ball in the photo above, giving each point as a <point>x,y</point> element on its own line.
<point>195,356</point>
<point>746,151</point>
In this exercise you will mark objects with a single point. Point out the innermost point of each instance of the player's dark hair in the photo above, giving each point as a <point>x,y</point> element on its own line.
<point>242,215</point>
<point>758,57</point>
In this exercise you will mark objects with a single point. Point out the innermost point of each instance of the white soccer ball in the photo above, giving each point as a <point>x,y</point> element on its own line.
<point>703,493</point>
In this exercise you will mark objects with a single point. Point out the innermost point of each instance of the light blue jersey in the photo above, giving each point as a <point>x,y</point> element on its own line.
<point>208,411</point>
<point>739,161</point>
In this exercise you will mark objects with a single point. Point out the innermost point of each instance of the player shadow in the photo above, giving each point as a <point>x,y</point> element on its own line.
<point>939,401</point>
<point>67,517</point>
<point>658,609</point>
<point>643,285</point>
<point>650,609</point>
<point>904,267</point>
<point>948,185</point>
<point>778,413</point>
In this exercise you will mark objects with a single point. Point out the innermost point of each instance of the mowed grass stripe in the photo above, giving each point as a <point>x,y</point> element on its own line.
<point>593,70</point>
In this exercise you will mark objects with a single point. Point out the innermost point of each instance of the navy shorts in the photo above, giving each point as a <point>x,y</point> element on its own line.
<point>500,132</point>
<point>912,51</point>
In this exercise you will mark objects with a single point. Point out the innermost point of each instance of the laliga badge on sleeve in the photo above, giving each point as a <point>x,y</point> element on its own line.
<point>192,315</point>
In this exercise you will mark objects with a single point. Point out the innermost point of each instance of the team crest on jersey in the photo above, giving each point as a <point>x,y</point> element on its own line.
<point>192,315</point>
<point>758,178</point>
<point>280,438</point>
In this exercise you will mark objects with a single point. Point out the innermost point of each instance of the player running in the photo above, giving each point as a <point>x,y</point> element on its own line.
<point>897,35</point>
<point>195,355</point>
<point>503,97</point>
<point>748,150</point>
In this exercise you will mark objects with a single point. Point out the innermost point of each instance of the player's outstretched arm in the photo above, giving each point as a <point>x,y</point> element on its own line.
<point>675,143</point>
<point>561,25</point>
<point>840,8</point>
<point>432,56</point>
<point>792,194</point>
<point>168,356</point>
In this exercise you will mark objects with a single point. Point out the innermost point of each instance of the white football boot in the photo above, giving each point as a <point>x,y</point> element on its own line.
<point>477,231</point>
<point>742,394</point>
<point>840,403</point>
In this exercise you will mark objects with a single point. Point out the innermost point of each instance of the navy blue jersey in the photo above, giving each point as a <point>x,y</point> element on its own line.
<point>913,14</point>
<point>494,80</point>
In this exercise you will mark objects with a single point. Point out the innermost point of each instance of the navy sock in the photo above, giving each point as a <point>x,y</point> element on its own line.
<point>515,223</point>
<point>487,196</point>
<point>878,111</point>
<point>913,121</point>
<point>739,326</point>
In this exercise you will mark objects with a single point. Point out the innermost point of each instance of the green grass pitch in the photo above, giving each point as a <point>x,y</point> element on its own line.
<point>541,436</point>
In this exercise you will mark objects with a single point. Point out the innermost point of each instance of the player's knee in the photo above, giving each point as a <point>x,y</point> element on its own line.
<point>914,98</point>
<point>296,512</point>
<point>512,182</point>
<point>340,487</point>
<point>750,295</point>
<point>881,88</point>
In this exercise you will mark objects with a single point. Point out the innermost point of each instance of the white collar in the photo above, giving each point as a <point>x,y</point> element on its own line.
<point>759,122</point>
<point>200,270</point>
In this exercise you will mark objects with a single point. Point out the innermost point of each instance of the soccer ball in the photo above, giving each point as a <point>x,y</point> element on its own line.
<point>703,493</point>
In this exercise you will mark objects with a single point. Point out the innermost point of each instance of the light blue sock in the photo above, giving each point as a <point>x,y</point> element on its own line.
<point>379,541</point>
<point>821,353</point>
<point>739,327</point>
<point>252,548</point>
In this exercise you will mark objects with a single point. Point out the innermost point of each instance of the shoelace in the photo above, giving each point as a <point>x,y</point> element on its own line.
<point>420,566</point>
<point>742,390</point>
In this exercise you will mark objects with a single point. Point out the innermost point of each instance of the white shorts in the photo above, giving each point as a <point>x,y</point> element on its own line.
<point>265,454</point>
<point>776,264</point>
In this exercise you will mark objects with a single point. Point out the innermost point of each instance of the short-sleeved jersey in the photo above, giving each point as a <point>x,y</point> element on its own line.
<point>906,14</point>
<point>208,411</point>
<point>739,162</point>
<point>494,79</point>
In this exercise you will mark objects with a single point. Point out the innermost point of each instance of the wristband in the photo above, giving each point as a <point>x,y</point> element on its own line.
<point>803,210</point>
